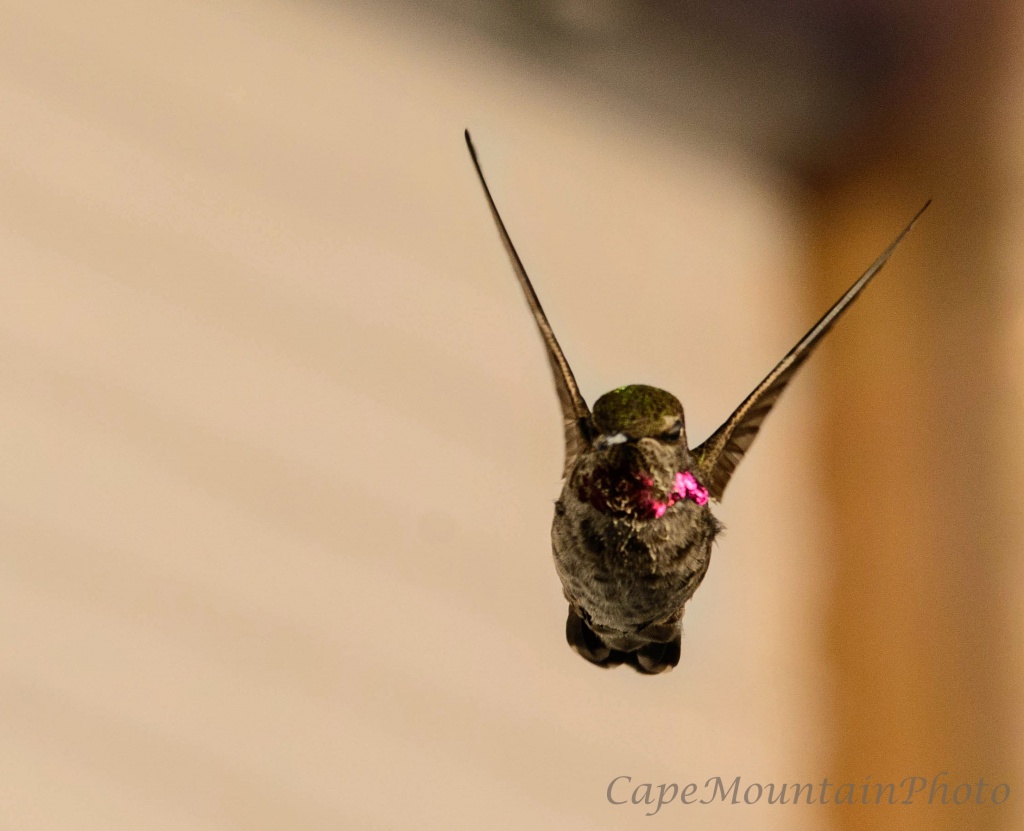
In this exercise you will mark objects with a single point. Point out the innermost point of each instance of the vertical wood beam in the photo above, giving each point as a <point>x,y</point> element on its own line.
<point>917,634</point>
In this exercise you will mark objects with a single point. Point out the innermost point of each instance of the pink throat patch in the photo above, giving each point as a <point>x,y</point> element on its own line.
<point>631,495</point>
<point>685,487</point>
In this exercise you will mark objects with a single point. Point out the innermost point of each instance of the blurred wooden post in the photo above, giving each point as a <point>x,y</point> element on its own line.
<point>917,631</point>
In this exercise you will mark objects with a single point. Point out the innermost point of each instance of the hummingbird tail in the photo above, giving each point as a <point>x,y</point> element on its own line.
<point>650,659</point>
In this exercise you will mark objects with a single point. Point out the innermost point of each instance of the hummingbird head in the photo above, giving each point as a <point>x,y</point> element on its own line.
<point>628,414</point>
<point>639,463</point>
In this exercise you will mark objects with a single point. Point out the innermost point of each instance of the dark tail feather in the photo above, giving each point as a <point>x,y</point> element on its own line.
<point>650,659</point>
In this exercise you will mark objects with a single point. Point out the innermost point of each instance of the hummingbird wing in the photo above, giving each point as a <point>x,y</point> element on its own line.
<point>718,457</point>
<point>574,409</point>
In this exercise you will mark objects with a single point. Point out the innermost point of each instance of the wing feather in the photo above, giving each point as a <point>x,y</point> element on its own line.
<point>718,457</point>
<point>574,409</point>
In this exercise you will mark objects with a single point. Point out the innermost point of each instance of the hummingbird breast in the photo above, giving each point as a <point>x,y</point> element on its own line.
<point>628,572</point>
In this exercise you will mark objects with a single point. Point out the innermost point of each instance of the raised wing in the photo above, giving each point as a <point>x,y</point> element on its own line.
<point>575,411</point>
<point>718,456</point>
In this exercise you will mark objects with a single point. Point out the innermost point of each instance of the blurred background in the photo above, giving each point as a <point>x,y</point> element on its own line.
<point>280,444</point>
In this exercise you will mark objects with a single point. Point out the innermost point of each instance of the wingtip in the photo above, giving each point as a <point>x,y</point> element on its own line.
<point>917,216</point>
<point>904,232</point>
<point>469,143</point>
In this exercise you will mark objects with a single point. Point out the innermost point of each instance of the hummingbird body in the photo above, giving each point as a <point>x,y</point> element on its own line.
<point>632,533</point>
<point>633,527</point>
<point>627,578</point>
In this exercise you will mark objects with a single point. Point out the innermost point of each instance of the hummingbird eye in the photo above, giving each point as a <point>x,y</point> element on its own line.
<point>673,433</point>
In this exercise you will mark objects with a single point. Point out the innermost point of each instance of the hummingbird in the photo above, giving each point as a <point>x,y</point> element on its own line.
<point>633,528</point>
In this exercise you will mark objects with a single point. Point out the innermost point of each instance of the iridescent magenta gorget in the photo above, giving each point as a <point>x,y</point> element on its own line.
<point>633,494</point>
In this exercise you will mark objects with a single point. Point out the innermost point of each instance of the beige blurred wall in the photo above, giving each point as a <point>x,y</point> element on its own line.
<point>280,447</point>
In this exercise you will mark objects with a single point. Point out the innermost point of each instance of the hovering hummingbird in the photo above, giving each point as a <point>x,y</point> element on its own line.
<point>633,526</point>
